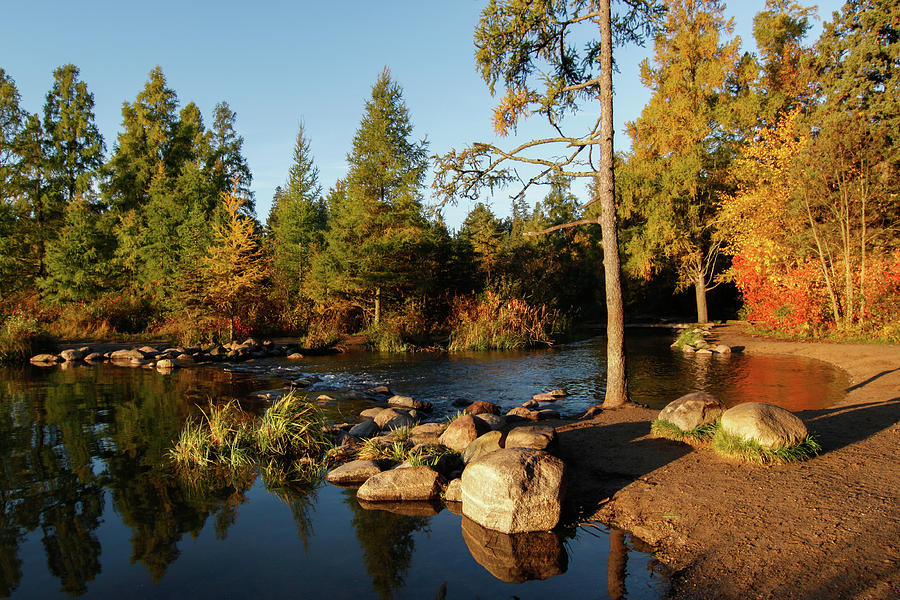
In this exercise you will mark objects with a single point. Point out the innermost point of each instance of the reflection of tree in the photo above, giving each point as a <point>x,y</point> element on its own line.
<point>57,427</point>
<point>295,485</point>
<point>387,543</point>
<point>617,561</point>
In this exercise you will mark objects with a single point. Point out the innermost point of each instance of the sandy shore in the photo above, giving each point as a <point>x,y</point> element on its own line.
<point>826,528</point>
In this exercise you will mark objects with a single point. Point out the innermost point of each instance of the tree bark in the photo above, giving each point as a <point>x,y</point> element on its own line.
<point>377,306</point>
<point>616,384</point>
<point>700,289</point>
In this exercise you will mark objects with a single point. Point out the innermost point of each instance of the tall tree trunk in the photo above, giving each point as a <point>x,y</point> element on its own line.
<point>616,385</point>
<point>377,306</point>
<point>700,289</point>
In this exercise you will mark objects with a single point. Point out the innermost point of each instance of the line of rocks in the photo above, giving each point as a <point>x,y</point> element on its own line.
<point>170,358</point>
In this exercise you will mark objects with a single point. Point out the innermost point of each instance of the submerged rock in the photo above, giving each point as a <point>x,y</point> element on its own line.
<point>514,490</point>
<point>692,410</point>
<point>412,483</point>
<point>769,425</point>
<point>551,396</point>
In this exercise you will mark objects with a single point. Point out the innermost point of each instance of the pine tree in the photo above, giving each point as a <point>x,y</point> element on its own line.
<point>227,163</point>
<point>78,260</point>
<point>74,144</point>
<point>297,221</point>
<point>13,249</point>
<point>482,231</point>
<point>680,147</point>
<point>377,231</point>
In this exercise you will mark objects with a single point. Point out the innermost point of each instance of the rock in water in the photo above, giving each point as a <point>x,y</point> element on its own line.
<point>70,355</point>
<point>353,473</point>
<point>514,490</point>
<point>516,558</point>
<point>453,493</point>
<point>365,429</point>
<point>412,483</point>
<point>692,411</point>
<point>44,359</point>
<point>769,425</point>
<point>482,407</point>
<point>461,432</point>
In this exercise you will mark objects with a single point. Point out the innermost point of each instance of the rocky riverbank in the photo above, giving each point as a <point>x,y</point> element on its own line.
<point>825,528</point>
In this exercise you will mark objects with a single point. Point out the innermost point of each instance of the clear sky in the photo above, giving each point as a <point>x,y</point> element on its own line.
<point>277,63</point>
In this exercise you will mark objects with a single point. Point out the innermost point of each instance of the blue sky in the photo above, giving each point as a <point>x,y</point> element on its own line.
<point>277,63</point>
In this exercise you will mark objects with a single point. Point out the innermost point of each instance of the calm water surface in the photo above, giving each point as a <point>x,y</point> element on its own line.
<point>91,507</point>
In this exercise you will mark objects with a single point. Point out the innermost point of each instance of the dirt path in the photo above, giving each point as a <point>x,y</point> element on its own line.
<point>827,528</point>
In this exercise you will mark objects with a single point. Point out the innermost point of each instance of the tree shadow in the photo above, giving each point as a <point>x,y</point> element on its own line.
<point>871,379</point>
<point>838,427</point>
<point>603,459</point>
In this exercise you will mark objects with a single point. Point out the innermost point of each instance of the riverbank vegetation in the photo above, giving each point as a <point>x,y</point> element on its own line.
<point>772,175</point>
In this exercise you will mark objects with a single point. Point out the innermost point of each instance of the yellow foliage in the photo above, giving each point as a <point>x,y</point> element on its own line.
<point>758,216</point>
<point>512,107</point>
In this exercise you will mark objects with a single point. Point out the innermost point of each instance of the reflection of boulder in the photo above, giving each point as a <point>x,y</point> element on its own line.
<point>410,509</point>
<point>518,557</point>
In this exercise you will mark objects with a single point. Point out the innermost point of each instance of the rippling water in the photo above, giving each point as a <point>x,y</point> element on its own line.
<point>91,506</point>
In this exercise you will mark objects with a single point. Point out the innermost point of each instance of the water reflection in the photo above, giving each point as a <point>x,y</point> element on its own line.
<point>387,543</point>
<point>516,558</point>
<point>86,487</point>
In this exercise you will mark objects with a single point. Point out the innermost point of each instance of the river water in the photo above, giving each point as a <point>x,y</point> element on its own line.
<point>91,506</point>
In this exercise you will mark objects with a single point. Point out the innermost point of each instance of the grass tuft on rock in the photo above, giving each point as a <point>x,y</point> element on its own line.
<point>292,426</point>
<point>697,436</point>
<point>750,451</point>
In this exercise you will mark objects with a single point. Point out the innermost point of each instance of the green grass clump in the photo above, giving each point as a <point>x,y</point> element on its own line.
<point>193,447</point>
<point>292,426</point>
<point>697,436</point>
<point>750,451</point>
<point>689,337</point>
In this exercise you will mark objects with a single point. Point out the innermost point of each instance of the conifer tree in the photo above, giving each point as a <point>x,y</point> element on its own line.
<point>234,267</point>
<point>680,147</point>
<point>78,259</point>
<point>227,163</point>
<point>13,250</point>
<point>377,231</point>
<point>74,144</point>
<point>297,220</point>
<point>482,231</point>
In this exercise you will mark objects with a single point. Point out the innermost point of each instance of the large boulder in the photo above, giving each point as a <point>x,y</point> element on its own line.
<point>514,490</point>
<point>539,437</point>
<point>495,422</point>
<point>515,558</point>
<point>480,446</point>
<point>692,411</point>
<point>412,483</point>
<point>769,425</point>
<point>461,432</point>
<point>353,473</point>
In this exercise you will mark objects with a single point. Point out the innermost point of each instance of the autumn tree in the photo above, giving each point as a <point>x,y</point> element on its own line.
<point>377,231</point>
<point>531,52</point>
<point>234,268</point>
<point>680,147</point>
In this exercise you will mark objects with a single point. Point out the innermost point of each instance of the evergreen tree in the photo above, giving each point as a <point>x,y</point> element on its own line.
<point>42,213</point>
<point>680,147</point>
<point>144,147</point>
<point>297,220</point>
<point>74,144</point>
<point>482,231</point>
<point>227,163</point>
<point>377,231</point>
<point>13,249</point>
<point>78,260</point>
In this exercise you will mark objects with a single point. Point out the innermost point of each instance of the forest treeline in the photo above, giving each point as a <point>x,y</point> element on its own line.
<point>772,172</point>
